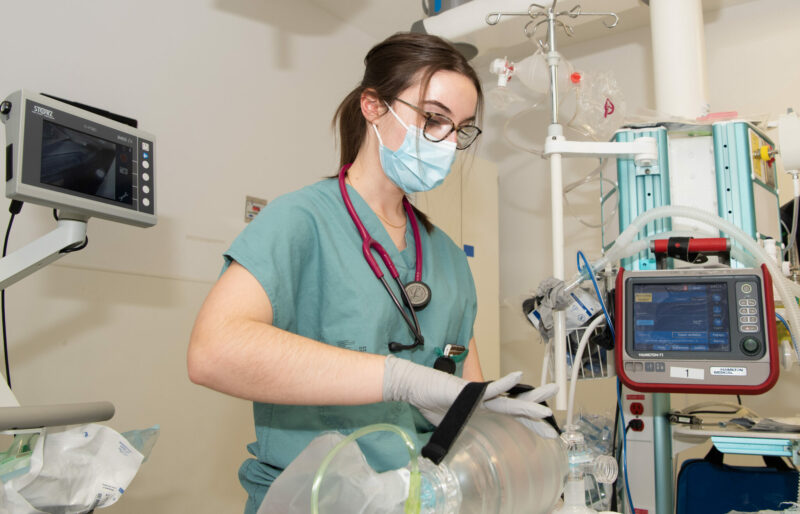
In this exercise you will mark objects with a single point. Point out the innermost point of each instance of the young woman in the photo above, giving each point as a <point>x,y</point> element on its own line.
<point>300,323</point>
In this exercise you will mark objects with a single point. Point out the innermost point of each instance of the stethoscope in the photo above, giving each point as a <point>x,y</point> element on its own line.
<point>416,295</point>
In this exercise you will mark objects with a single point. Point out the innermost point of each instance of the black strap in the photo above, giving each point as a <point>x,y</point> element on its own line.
<point>678,248</point>
<point>454,421</point>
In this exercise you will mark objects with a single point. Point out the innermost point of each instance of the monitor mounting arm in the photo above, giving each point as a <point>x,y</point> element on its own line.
<point>71,231</point>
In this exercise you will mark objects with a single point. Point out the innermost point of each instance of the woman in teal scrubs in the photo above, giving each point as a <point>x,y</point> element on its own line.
<point>298,322</point>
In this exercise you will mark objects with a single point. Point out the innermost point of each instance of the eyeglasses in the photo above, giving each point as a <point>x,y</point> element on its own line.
<point>438,127</point>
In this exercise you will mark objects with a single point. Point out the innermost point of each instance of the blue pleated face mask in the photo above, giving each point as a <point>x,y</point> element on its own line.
<point>419,164</point>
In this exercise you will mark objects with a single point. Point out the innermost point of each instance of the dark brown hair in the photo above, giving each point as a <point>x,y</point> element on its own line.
<point>391,67</point>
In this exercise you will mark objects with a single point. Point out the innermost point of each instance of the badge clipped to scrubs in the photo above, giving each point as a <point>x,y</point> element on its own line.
<point>452,354</point>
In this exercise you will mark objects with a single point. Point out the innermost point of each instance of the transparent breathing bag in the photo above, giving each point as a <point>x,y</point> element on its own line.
<point>496,466</point>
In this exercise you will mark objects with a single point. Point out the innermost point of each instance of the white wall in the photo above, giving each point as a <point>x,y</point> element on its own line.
<point>239,95</point>
<point>752,58</point>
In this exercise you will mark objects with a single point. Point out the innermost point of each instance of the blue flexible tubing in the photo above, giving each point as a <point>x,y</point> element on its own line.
<point>597,291</point>
<point>794,342</point>
<point>624,447</point>
<point>588,267</point>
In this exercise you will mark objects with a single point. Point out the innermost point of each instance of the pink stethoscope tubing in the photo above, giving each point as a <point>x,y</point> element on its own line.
<point>369,244</point>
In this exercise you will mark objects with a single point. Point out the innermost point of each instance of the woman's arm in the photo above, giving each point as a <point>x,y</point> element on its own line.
<point>235,349</point>
<point>472,366</point>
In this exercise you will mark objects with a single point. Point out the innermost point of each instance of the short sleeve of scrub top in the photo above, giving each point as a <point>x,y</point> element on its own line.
<point>305,251</point>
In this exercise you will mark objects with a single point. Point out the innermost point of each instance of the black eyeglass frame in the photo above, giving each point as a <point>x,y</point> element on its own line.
<point>453,127</point>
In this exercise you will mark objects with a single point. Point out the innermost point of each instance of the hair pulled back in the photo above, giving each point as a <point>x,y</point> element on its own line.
<point>391,67</point>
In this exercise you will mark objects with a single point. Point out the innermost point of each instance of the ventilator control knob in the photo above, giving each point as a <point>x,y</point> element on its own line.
<point>750,346</point>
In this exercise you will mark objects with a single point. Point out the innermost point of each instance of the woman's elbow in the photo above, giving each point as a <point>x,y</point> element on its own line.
<point>199,360</point>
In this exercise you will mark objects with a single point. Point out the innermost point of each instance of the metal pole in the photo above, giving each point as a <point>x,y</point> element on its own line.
<point>662,453</point>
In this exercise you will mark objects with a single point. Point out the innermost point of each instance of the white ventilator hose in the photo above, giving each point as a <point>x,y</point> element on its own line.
<point>548,347</point>
<point>632,249</point>
<point>576,366</point>
<point>755,251</point>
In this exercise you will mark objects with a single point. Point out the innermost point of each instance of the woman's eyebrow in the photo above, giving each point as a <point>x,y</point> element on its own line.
<point>446,109</point>
<point>440,105</point>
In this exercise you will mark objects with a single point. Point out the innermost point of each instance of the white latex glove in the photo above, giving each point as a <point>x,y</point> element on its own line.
<point>433,392</point>
<point>539,394</point>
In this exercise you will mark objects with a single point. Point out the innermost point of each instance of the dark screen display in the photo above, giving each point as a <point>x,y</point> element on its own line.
<point>681,317</point>
<point>86,164</point>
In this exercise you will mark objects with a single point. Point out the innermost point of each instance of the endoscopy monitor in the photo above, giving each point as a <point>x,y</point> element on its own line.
<point>64,157</point>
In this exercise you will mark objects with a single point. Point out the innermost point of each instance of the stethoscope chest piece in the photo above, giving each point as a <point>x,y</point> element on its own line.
<point>419,294</point>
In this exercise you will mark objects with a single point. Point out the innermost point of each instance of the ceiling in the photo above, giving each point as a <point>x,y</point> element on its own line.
<point>379,18</point>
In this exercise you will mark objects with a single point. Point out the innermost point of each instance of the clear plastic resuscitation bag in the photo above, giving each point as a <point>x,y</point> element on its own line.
<point>496,466</point>
<point>75,470</point>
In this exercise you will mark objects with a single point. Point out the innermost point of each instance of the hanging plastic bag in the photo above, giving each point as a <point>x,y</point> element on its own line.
<point>596,107</point>
<point>350,485</point>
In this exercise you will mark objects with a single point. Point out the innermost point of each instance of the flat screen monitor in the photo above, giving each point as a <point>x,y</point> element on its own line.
<point>73,160</point>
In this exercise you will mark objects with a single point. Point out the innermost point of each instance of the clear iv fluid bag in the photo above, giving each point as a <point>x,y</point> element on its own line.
<point>496,466</point>
<point>501,467</point>
<point>534,72</point>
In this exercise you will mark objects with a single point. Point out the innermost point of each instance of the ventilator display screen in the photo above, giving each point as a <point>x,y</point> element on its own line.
<point>681,317</point>
<point>86,164</point>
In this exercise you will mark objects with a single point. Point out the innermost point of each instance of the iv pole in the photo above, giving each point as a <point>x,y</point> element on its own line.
<point>643,150</point>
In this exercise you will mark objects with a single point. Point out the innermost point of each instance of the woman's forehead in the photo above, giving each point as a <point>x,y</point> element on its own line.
<point>452,90</point>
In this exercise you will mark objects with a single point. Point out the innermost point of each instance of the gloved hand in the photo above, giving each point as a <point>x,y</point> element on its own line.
<point>433,392</point>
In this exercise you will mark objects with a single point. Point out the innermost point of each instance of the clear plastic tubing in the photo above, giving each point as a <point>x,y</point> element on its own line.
<point>632,249</point>
<point>755,254</point>
<point>412,503</point>
<point>496,466</point>
<point>576,365</point>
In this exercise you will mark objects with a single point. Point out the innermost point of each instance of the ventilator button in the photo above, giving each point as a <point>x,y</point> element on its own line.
<point>750,346</point>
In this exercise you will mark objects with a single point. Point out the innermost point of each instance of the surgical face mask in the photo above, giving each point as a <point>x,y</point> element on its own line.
<point>419,164</point>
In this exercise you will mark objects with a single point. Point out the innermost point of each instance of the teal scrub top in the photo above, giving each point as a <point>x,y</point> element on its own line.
<point>307,254</point>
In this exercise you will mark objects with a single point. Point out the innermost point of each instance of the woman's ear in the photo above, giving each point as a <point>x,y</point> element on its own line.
<point>372,107</point>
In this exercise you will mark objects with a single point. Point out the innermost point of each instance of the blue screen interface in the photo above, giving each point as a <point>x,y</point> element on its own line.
<point>681,317</point>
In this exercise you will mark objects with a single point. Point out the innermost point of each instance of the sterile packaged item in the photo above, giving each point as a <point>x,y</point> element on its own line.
<point>597,432</point>
<point>582,306</point>
<point>74,471</point>
<point>143,440</point>
<point>16,460</point>
<point>496,466</point>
